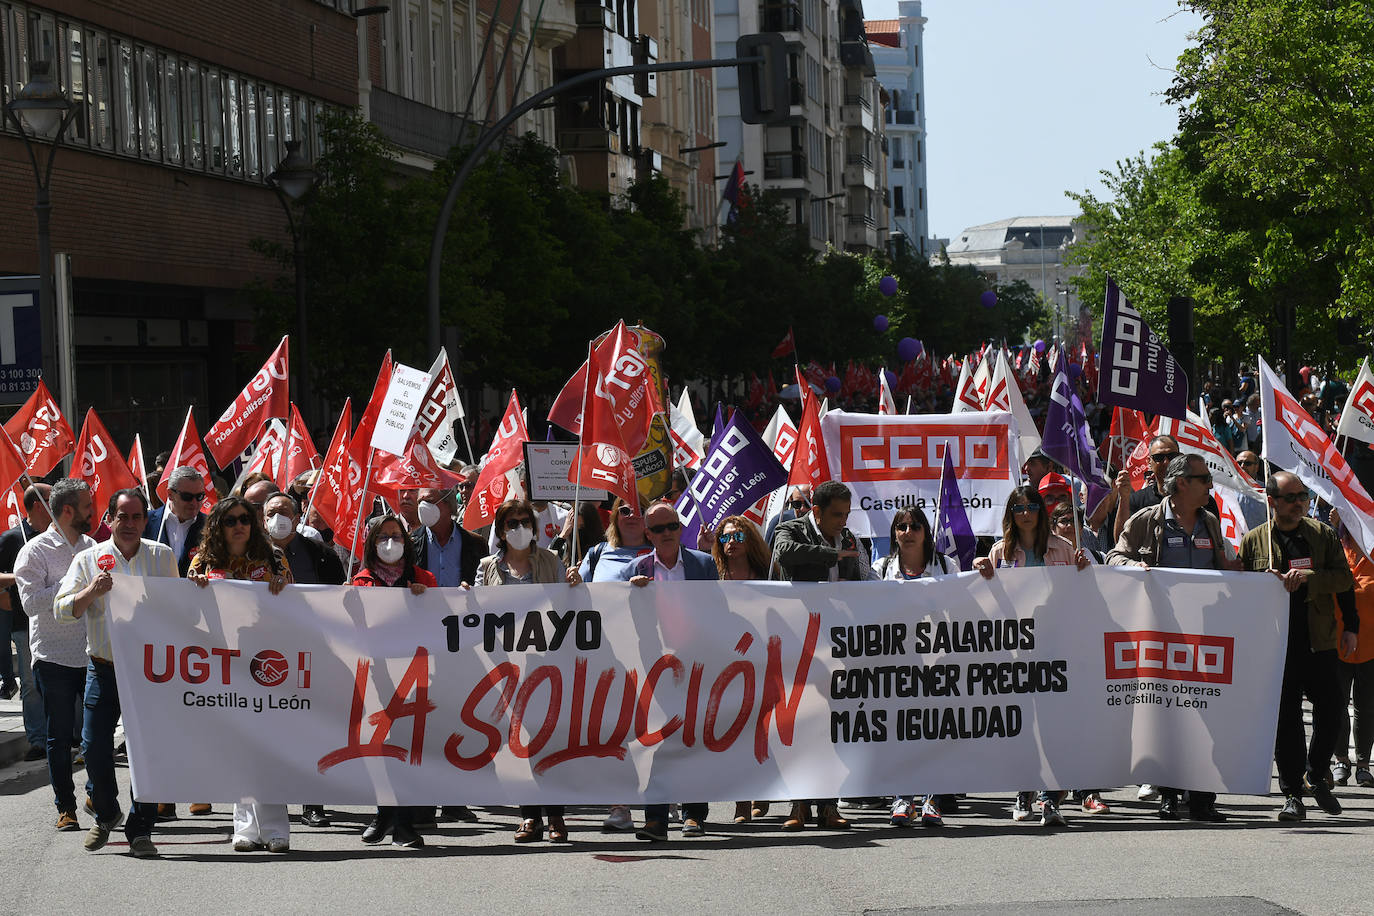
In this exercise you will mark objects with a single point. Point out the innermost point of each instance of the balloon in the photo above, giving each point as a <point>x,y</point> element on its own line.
<point>1075,370</point>
<point>888,285</point>
<point>1039,346</point>
<point>880,323</point>
<point>832,384</point>
<point>989,298</point>
<point>908,348</point>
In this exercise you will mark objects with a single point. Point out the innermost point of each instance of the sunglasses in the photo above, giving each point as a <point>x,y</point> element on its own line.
<point>1249,463</point>
<point>666,526</point>
<point>1024,508</point>
<point>906,526</point>
<point>1293,498</point>
<point>626,511</point>
<point>190,497</point>
<point>1164,456</point>
<point>799,505</point>
<point>1205,478</point>
<point>513,523</point>
<point>233,521</point>
<point>736,536</point>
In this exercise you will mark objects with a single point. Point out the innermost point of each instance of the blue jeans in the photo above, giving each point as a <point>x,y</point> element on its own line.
<point>102,714</point>
<point>35,726</point>
<point>62,688</point>
<point>6,653</point>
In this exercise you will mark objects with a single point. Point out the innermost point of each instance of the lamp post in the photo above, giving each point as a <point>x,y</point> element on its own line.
<point>42,109</point>
<point>292,179</point>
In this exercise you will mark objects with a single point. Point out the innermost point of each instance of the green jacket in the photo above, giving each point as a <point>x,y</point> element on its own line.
<point>1330,574</point>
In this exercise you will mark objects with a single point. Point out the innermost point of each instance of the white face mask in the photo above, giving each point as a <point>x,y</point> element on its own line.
<point>279,526</point>
<point>390,550</point>
<point>429,513</point>
<point>520,538</point>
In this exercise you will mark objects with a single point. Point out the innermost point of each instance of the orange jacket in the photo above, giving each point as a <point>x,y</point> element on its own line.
<point>1363,570</point>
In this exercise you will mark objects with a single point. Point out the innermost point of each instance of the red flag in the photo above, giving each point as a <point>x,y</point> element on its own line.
<point>625,382</point>
<point>567,407</point>
<point>261,399</point>
<point>43,435</point>
<point>1129,428</point>
<point>136,465</point>
<point>361,443</point>
<point>99,463</point>
<point>785,346</point>
<point>12,512</point>
<point>810,464</point>
<point>755,392</point>
<point>339,491</point>
<point>507,449</point>
<point>12,465</point>
<point>299,454</point>
<point>267,450</point>
<point>603,461</point>
<point>416,468</point>
<point>187,453</point>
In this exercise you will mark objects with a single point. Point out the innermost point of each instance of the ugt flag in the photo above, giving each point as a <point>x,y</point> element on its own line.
<point>1137,370</point>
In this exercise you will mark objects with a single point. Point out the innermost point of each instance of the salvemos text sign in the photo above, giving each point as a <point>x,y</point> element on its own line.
<point>610,693</point>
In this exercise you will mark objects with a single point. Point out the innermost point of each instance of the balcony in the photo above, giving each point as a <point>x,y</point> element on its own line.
<point>858,172</point>
<point>788,166</point>
<point>900,116</point>
<point>860,232</point>
<point>857,111</point>
<point>415,125</point>
<point>780,17</point>
<point>588,139</point>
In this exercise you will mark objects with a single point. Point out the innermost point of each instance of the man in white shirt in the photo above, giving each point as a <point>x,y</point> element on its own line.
<point>59,652</point>
<point>83,594</point>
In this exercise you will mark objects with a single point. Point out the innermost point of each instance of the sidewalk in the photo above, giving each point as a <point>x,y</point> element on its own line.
<point>13,743</point>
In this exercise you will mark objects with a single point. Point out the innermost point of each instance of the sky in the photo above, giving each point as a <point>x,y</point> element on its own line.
<point>1027,99</point>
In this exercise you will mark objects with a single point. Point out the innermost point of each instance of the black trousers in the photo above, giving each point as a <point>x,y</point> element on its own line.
<point>537,812</point>
<point>694,810</point>
<point>1312,674</point>
<point>1359,681</point>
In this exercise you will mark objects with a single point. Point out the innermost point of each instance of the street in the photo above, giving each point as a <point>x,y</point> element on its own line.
<point>1125,861</point>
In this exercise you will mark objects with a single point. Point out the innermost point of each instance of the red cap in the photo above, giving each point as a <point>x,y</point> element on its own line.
<point>1054,483</point>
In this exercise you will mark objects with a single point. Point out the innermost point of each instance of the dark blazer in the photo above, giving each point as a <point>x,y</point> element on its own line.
<point>696,565</point>
<point>474,549</point>
<point>188,550</point>
<point>805,556</point>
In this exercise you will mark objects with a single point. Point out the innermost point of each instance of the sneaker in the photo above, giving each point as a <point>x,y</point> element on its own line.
<point>8,689</point>
<point>674,813</point>
<point>141,847</point>
<point>1340,773</point>
<point>1293,809</point>
<point>619,820</point>
<point>1322,795</point>
<point>692,827</point>
<point>653,832</point>
<point>930,814</point>
<point>1147,793</point>
<point>1049,814</point>
<point>278,844</point>
<point>1364,778</point>
<point>97,837</point>
<point>901,813</point>
<point>1021,811</point>
<point>243,844</point>
<point>1093,804</point>
<point>66,820</point>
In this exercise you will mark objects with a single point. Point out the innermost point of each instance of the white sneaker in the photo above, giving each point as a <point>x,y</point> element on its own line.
<point>279,844</point>
<point>901,813</point>
<point>1049,814</point>
<point>243,844</point>
<point>619,820</point>
<point>1147,793</point>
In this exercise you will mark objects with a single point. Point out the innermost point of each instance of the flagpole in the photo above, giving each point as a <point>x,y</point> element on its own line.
<point>39,493</point>
<point>581,427</point>
<point>462,424</point>
<point>1111,440</point>
<point>1268,506</point>
<point>358,516</point>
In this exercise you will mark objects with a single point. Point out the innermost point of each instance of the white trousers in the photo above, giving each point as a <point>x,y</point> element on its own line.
<point>260,823</point>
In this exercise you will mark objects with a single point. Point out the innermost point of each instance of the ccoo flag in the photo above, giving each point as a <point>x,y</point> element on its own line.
<point>1137,370</point>
<point>954,535</point>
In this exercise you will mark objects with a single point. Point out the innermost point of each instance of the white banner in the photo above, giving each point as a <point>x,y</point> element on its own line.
<point>890,463</point>
<point>699,690</point>
<point>397,417</point>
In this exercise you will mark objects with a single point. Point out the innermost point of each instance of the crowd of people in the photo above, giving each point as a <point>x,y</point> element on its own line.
<point>56,569</point>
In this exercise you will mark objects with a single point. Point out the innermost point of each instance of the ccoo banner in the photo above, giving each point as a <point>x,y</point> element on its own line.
<point>892,462</point>
<point>609,693</point>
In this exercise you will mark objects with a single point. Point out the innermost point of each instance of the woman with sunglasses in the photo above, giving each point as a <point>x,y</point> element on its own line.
<point>518,561</point>
<point>741,555</point>
<point>389,562</point>
<point>1027,541</point>
<point>233,545</point>
<point>625,542</point>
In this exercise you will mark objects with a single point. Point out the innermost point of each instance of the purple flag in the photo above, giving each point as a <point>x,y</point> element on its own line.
<point>738,470</point>
<point>1066,437</point>
<point>1137,370</point>
<point>954,535</point>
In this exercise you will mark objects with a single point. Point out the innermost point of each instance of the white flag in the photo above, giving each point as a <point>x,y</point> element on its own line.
<point>966,398</point>
<point>689,445</point>
<point>440,411</point>
<point>1357,417</point>
<point>1005,394</point>
<point>886,405</point>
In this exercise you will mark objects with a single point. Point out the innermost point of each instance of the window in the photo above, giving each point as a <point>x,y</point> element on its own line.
<point>250,133</point>
<point>171,107</point>
<point>919,144</point>
<point>899,200</point>
<point>98,76</point>
<point>73,77</point>
<point>896,145</point>
<point>126,124</point>
<point>271,153</point>
<point>195,124</point>
<point>149,120</point>
<point>920,198</point>
<point>214,121</point>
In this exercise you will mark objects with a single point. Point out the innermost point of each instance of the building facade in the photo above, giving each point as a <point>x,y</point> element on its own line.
<point>161,183</point>
<point>899,58</point>
<point>828,160</point>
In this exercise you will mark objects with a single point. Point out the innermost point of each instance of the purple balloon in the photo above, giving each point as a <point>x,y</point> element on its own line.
<point>1039,346</point>
<point>989,298</point>
<point>908,348</point>
<point>880,323</point>
<point>832,384</point>
<point>1075,370</point>
<point>891,378</point>
<point>888,285</point>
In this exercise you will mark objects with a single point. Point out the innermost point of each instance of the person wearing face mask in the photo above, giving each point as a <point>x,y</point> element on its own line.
<point>440,545</point>
<point>389,562</point>
<point>518,561</point>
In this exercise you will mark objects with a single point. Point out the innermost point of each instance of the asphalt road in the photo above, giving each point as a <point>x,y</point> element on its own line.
<point>1124,862</point>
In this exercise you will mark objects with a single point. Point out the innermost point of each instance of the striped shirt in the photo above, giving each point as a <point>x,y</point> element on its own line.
<point>38,571</point>
<point>152,559</point>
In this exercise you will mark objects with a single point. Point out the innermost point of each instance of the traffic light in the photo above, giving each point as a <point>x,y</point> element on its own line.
<point>764,96</point>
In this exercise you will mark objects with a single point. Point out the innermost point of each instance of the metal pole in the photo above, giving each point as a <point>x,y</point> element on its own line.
<point>303,402</point>
<point>47,308</point>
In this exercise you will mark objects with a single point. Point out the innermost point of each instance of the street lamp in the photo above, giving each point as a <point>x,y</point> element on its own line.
<point>43,109</point>
<point>292,179</point>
